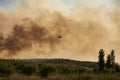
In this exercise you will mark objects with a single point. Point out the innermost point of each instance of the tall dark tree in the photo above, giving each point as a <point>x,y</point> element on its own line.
<point>101,61</point>
<point>112,57</point>
<point>108,61</point>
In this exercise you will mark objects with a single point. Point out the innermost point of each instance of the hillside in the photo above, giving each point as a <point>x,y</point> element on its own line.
<point>61,62</point>
<point>56,61</point>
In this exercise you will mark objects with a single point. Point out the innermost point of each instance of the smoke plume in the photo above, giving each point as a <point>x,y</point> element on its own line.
<point>38,29</point>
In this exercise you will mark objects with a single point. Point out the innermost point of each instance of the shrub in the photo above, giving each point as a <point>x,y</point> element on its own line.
<point>81,70</point>
<point>109,71</point>
<point>117,68</point>
<point>65,70</point>
<point>45,70</point>
<point>6,69</point>
<point>26,69</point>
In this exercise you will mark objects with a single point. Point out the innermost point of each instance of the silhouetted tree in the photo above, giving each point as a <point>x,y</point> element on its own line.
<point>101,61</point>
<point>108,61</point>
<point>112,54</point>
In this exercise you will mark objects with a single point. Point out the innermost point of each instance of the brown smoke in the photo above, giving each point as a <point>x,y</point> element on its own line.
<point>33,29</point>
<point>22,38</point>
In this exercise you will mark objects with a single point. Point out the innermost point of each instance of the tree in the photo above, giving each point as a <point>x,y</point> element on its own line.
<point>108,62</point>
<point>101,61</point>
<point>112,54</point>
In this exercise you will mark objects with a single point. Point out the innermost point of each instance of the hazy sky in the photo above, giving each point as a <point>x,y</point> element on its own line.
<point>66,4</point>
<point>9,4</point>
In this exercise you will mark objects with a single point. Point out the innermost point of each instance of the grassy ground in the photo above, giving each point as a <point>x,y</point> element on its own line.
<point>69,77</point>
<point>85,77</point>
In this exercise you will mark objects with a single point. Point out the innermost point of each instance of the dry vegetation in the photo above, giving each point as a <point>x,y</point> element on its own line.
<point>54,69</point>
